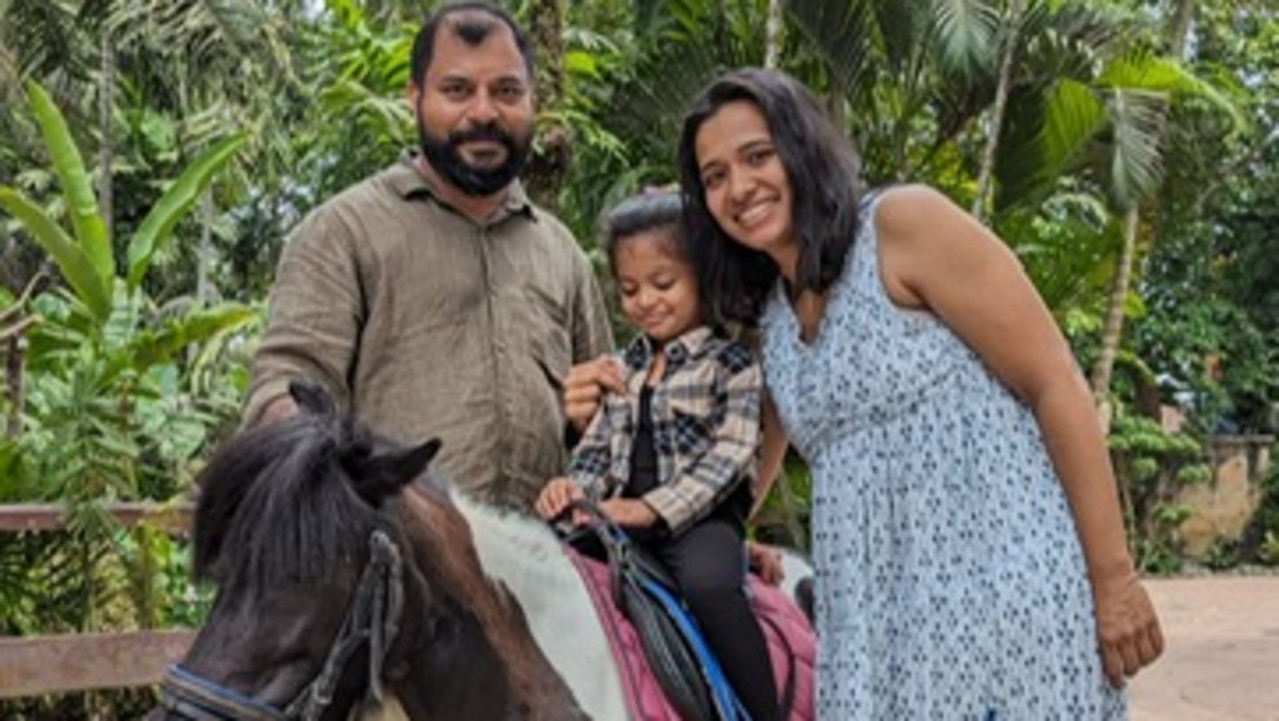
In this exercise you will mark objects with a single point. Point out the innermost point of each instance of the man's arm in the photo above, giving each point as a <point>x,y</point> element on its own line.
<point>591,332</point>
<point>315,314</point>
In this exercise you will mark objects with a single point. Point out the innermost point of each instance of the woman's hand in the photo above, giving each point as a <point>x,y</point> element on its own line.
<point>629,512</point>
<point>585,385</point>
<point>766,562</point>
<point>556,496</point>
<point>1127,628</point>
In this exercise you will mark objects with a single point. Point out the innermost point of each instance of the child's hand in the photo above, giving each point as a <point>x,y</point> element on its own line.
<point>585,386</point>
<point>628,512</point>
<point>555,497</point>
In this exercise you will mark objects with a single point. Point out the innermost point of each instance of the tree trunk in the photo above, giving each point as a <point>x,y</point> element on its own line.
<point>1178,33</point>
<point>1114,327</point>
<point>106,108</point>
<point>205,252</point>
<point>1179,30</point>
<point>14,357</point>
<point>547,168</point>
<point>773,34</point>
<point>995,125</point>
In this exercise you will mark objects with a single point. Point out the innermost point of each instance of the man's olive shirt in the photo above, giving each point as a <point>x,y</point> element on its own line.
<point>428,324</point>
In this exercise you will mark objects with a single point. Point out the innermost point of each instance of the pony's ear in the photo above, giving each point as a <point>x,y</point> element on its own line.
<point>379,476</point>
<point>312,397</point>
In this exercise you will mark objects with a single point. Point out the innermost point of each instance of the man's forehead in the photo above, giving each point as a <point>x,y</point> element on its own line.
<point>462,51</point>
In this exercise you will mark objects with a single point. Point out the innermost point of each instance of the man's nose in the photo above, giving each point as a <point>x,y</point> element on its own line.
<point>483,109</point>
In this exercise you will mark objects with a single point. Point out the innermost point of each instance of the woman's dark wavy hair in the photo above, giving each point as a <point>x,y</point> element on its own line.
<point>823,170</point>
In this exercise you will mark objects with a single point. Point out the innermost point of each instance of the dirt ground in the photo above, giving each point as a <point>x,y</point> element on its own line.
<point>1221,662</point>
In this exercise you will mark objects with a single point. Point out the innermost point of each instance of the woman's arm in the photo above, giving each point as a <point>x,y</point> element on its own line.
<point>936,257</point>
<point>772,452</point>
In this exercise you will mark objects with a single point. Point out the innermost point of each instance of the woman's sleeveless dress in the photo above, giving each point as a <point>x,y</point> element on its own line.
<point>950,580</point>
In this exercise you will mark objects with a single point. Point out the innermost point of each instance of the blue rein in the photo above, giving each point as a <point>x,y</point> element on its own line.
<point>373,617</point>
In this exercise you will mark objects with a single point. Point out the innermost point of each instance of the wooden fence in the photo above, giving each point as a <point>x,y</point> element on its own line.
<point>39,665</point>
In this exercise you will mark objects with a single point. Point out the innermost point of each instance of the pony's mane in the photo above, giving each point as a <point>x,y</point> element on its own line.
<point>277,503</point>
<point>511,542</point>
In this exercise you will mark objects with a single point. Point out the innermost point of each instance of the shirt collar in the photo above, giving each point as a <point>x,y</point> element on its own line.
<point>690,345</point>
<point>408,182</point>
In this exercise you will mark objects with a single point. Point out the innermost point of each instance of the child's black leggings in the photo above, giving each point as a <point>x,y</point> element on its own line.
<point>708,562</point>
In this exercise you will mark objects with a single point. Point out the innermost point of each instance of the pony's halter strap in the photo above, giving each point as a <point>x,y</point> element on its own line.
<point>372,617</point>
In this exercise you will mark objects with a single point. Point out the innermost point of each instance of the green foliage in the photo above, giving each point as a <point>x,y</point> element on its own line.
<point>784,517</point>
<point>156,229</point>
<point>1260,541</point>
<point>128,380</point>
<point>1269,551</point>
<point>107,408</point>
<point>1151,466</point>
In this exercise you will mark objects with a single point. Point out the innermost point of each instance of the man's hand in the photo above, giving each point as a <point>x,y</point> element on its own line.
<point>585,385</point>
<point>277,409</point>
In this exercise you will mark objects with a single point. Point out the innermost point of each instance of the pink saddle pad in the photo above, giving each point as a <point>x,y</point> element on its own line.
<point>791,643</point>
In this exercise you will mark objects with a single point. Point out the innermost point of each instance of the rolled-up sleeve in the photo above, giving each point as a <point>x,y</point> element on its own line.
<point>315,314</point>
<point>702,481</point>
<point>592,334</point>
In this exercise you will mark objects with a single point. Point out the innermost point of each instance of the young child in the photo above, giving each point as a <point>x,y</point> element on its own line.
<point>673,459</point>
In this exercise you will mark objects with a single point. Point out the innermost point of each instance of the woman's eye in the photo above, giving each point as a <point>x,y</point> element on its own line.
<point>759,157</point>
<point>712,180</point>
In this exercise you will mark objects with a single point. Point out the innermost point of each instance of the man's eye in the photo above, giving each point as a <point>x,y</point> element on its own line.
<point>510,93</point>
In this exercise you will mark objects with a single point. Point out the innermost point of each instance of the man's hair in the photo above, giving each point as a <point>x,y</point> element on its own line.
<point>471,21</point>
<point>823,170</point>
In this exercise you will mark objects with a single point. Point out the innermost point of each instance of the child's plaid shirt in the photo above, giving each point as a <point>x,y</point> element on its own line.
<point>706,427</point>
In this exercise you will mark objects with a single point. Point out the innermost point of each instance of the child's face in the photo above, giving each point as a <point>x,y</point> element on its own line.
<point>659,289</point>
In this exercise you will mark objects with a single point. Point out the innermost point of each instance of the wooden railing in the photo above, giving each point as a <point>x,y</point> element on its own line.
<point>39,665</point>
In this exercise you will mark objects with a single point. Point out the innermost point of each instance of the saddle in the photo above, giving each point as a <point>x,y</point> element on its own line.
<point>640,607</point>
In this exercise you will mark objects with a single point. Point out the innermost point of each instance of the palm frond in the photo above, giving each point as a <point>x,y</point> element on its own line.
<point>967,35</point>
<point>1136,166</point>
<point>842,34</point>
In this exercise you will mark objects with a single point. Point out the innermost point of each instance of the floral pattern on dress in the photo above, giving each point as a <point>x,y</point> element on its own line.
<point>950,580</point>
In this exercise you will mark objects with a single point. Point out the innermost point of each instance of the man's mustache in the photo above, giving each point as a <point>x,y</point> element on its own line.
<point>488,132</point>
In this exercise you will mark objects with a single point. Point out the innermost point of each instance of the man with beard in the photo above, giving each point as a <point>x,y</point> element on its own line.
<point>434,299</point>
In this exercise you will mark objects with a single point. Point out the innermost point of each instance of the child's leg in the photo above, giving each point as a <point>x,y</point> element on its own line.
<point>709,565</point>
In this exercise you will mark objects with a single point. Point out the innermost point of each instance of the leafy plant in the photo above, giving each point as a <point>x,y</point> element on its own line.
<point>1152,465</point>
<point>109,411</point>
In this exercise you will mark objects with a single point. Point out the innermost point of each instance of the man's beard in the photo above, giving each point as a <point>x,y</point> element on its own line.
<point>445,158</point>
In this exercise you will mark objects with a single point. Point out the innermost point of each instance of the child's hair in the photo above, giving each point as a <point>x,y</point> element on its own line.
<point>649,211</point>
